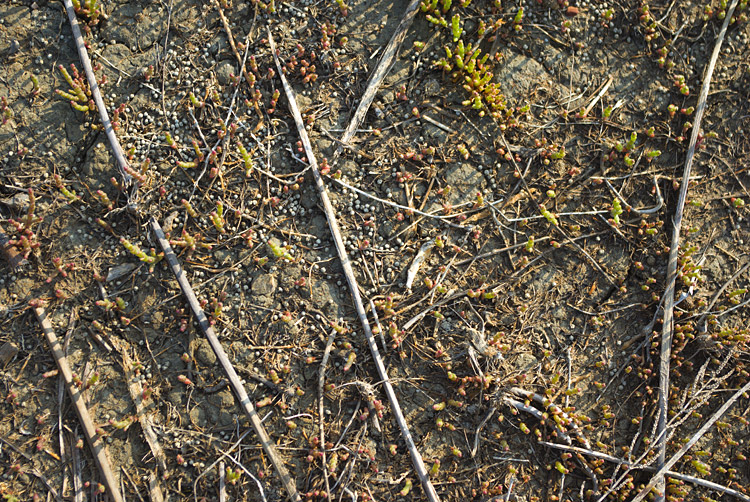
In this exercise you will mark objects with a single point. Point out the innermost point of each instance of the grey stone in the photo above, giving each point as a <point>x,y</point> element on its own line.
<point>327,297</point>
<point>465,181</point>
<point>19,202</point>
<point>127,63</point>
<point>519,74</point>
<point>119,271</point>
<point>525,362</point>
<point>432,87</point>
<point>224,71</point>
<point>135,26</point>
<point>97,165</point>
<point>319,227</point>
<point>349,168</point>
<point>303,102</point>
<point>222,405</point>
<point>325,145</point>
<point>436,133</point>
<point>198,415</point>
<point>543,278</point>
<point>309,199</point>
<point>175,396</point>
<point>386,228</point>
<point>217,44</point>
<point>223,256</point>
<point>264,285</point>
<point>204,354</point>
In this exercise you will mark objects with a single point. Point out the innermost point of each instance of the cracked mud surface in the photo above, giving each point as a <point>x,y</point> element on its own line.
<point>505,297</point>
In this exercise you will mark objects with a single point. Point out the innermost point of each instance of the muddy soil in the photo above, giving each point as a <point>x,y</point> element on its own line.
<point>508,205</point>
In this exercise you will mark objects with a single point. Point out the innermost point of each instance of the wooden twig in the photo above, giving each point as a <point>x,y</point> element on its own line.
<point>377,325</point>
<point>234,379</point>
<point>8,351</point>
<point>144,419</point>
<point>442,217</point>
<point>240,60</point>
<point>352,282</point>
<point>222,483</point>
<point>122,163</point>
<point>77,477</point>
<point>154,490</point>
<point>478,431</point>
<point>61,388</point>
<point>250,474</point>
<point>95,442</point>
<point>321,411</point>
<point>639,212</point>
<point>220,459</point>
<point>381,70</point>
<point>598,96</point>
<point>659,476</point>
<point>34,471</point>
<point>667,325</point>
<point>555,226</point>
<point>12,254</point>
<point>132,484</point>
<point>557,411</point>
<point>718,293</point>
<point>419,258</point>
<point>672,474</point>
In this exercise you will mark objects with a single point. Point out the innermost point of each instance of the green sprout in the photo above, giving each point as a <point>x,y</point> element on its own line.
<point>631,142</point>
<point>702,468</point>
<point>151,258</point>
<point>36,89</point>
<point>217,218</point>
<point>246,158</point>
<point>530,244</point>
<point>233,475</point>
<point>189,208</point>
<point>89,8</point>
<point>518,20</point>
<point>69,195</point>
<point>549,216</point>
<point>343,7</point>
<point>79,99</point>
<point>435,468</point>
<point>279,251</point>
<point>616,210</point>
<point>407,484</point>
<point>456,27</point>
<point>439,21</point>
<point>195,102</point>
<point>5,109</point>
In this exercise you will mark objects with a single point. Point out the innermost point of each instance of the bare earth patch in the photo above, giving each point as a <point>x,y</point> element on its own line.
<point>507,203</point>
